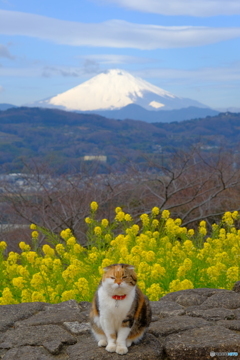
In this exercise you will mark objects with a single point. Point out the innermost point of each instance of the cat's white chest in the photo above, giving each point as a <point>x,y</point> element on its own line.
<point>114,311</point>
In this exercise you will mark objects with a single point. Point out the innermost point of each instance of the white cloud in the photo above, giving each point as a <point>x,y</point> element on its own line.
<point>227,75</point>
<point>47,72</point>
<point>113,59</point>
<point>1,89</point>
<point>182,7</point>
<point>113,33</point>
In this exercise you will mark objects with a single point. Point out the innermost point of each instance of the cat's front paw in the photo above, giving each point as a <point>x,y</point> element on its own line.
<point>111,348</point>
<point>121,350</point>
<point>102,343</point>
<point>129,343</point>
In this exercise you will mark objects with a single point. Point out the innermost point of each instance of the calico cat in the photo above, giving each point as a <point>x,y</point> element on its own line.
<point>120,312</point>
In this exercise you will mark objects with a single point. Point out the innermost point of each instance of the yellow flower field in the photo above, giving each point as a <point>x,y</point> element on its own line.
<point>167,257</point>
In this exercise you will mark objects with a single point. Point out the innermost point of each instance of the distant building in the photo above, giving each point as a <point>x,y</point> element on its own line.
<point>102,158</point>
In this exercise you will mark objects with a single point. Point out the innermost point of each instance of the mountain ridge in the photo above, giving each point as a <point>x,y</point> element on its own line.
<point>136,112</point>
<point>115,89</point>
<point>5,106</point>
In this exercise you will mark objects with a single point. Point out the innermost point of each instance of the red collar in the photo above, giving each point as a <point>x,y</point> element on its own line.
<point>119,297</point>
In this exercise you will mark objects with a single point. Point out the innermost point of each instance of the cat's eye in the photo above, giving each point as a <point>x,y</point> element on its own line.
<point>112,277</point>
<point>124,277</point>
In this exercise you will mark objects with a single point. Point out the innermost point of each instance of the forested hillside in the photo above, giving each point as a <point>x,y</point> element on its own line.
<point>61,139</point>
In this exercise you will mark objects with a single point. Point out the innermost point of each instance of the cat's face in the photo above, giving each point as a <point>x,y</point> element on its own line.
<point>119,279</point>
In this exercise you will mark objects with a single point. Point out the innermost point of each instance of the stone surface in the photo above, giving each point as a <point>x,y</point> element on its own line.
<point>233,324</point>
<point>150,348</point>
<point>227,299</point>
<point>166,308</point>
<point>29,353</point>
<point>175,324</point>
<point>198,343</point>
<point>236,287</point>
<point>77,328</point>
<point>36,336</point>
<point>56,314</point>
<point>187,324</point>
<point>9,314</point>
<point>211,314</point>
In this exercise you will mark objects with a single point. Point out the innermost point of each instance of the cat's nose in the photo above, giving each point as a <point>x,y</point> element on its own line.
<point>119,283</point>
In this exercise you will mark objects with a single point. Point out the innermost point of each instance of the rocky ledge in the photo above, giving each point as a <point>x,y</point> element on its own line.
<point>187,324</point>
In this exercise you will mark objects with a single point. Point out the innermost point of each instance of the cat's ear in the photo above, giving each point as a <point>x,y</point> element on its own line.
<point>107,268</point>
<point>130,267</point>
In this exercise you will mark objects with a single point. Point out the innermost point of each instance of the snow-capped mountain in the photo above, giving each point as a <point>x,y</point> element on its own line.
<point>115,89</point>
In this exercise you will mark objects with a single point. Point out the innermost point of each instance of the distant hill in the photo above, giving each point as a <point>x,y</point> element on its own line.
<point>136,112</point>
<point>61,139</point>
<point>4,107</point>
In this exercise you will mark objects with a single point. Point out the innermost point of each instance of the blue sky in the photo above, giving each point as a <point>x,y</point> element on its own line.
<point>188,47</point>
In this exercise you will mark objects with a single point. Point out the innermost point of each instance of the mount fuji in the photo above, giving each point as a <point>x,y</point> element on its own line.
<point>113,91</point>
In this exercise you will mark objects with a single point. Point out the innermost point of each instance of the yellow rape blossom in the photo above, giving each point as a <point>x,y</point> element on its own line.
<point>166,256</point>
<point>7,297</point>
<point>60,249</point>
<point>154,292</point>
<point>135,229</point>
<point>165,214</point>
<point>127,217</point>
<point>155,211</point>
<point>71,241</point>
<point>97,230</point>
<point>23,246</point>
<point>178,222</point>
<point>82,287</point>
<point>235,215</point>
<point>19,282</point>
<point>106,262</point>
<point>93,257</point>
<point>105,222</point>
<point>155,223</point>
<point>177,285</point>
<point>150,256</point>
<point>3,245</point>
<point>38,296</point>
<point>94,206</point>
<point>23,271</point>
<point>233,273</point>
<point>227,218</point>
<point>31,256</point>
<point>202,231</point>
<point>37,280</point>
<point>68,295</point>
<point>187,284</point>
<point>190,232</point>
<point>65,234</point>
<point>157,272</point>
<point>35,234</point>
<point>26,295</point>
<point>145,219</point>
<point>120,216</point>
<point>88,220</point>
<point>48,251</point>
<point>78,249</point>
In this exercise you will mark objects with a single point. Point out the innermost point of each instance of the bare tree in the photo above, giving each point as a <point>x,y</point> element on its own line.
<point>193,185</point>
